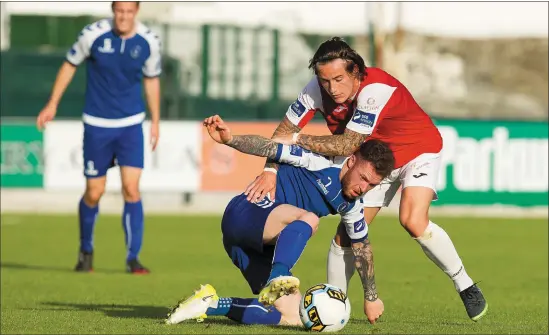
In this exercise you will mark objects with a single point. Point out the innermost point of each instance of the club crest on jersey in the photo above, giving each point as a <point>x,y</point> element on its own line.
<point>135,51</point>
<point>296,150</point>
<point>342,207</point>
<point>363,118</point>
<point>298,108</point>
<point>107,46</point>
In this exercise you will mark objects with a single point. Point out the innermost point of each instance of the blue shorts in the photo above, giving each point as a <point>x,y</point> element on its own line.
<point>242,227</point>
<point>105,147</point>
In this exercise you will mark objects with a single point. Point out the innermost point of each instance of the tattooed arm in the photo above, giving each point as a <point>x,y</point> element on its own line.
<point>333,145</point>
<point>285,127</point>
<point>254,145</point>
<point>364,263</point>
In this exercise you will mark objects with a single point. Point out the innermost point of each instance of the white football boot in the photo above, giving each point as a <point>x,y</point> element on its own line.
<point>195,306</point>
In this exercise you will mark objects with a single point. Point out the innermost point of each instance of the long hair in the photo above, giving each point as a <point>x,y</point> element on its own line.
<point>337,48</point>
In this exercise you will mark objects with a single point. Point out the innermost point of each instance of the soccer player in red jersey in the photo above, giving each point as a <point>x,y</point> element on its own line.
<point>359,104</point>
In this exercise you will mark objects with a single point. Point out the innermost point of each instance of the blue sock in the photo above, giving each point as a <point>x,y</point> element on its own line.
<point>87,216</point>
<point>246,311</point>
<point>132,221</point>
<point>289,247</point>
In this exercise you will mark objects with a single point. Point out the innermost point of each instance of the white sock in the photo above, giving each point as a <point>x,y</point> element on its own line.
<point>438,246</point>
<point>341,266</point>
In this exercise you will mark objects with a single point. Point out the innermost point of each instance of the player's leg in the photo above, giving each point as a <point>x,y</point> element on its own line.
<point>130,157</point>
<point>419,185</point>
<point>290,228</point>
<point>98,155</point>
<point>340,265</point>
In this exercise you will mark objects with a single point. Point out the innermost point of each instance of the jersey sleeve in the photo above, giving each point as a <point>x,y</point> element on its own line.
<point>80,50</point>
<point>303,109</point>
<point>297,156</point>
<point>153,64</point>
<point>354,222</point>
<point>371,102</point>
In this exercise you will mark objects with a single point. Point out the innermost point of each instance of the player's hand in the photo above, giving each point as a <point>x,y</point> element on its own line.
<point>263,184</point>
<point>287,139</point>
<point>155,134</point>
<point>218,130</point>
<point>373,310</point>
<point>46,115</point>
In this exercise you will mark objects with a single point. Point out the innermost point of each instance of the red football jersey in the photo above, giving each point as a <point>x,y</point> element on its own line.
<point>383,108</point>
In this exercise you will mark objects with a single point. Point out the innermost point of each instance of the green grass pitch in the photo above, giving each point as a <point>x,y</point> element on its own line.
<point>41,293</point>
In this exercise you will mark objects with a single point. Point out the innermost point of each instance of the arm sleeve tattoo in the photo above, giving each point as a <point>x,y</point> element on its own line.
<point>285,127</point>
<point>254,145</point>
<point>333,145</point>
<point>364,263</point>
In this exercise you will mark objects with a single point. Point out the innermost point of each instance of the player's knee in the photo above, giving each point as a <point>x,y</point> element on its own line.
<point>414,223</point>
<point>311,219</point>
<point>131,193</point>
<point>93,195</point>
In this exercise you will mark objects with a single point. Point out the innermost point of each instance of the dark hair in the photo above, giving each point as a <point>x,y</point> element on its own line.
<point>337,48</point>
<point>112,4</point>
<point>379,154</point>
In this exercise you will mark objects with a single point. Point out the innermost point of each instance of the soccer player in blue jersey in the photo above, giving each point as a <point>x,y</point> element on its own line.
<point>265,239</point>
<point>122,56</point>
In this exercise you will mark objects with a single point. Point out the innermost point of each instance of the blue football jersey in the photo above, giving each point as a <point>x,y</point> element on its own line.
<point>311,181</point>
<point>115,69</point>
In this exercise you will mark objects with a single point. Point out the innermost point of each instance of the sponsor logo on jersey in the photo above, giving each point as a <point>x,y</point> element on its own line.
<point>324,186</point>
<point>359,226</point>
<point>135,51</point>
<point>364,118</point>
<point>107,46</point>
<point>298,108</point>
<point>296,150</point>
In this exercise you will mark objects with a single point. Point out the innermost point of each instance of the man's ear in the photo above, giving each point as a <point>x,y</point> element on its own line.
<point>351,161</point>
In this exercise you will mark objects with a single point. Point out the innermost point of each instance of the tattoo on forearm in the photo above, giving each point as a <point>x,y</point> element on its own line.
<point>364,263</point>
<point>333,145</point>
<point>285,127</point>
<point>254,145</point>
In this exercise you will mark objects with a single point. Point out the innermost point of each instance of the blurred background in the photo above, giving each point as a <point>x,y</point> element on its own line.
<point>479,69</point>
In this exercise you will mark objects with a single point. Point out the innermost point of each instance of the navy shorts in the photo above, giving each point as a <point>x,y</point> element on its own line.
<point>105,146</point>
<point>242,227</point>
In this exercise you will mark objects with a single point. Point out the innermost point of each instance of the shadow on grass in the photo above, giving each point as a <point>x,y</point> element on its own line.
<point>20,266</point>
<point>143,312</point>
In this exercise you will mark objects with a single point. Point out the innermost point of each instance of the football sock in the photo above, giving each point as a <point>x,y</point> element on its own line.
<point>245,310</point>
<point>341,266</point>
<point>86,216</point>
<point>438,246</point>
<point>289,247</point>
<point>132,221</point>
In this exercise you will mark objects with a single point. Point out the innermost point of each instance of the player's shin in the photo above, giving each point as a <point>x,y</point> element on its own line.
<point>341,266</point>
<point>133,223</point>
<point>289,247</point>
<point>246,311</point>
<point>87,216</point>
<point>438,246</point>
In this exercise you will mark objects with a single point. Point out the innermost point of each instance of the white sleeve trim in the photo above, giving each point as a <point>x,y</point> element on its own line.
<point>153,64</point>
<point>370,103</point>
<point>81,49</point>
<point>308,101</point>
<point>297,156</point>
<point>354,222</point>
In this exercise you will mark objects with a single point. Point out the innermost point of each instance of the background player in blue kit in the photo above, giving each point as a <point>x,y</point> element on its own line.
<point>265,239</point>
<point>120,54</point>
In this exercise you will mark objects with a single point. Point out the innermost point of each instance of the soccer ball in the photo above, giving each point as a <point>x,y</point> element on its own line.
<point>324,308</point>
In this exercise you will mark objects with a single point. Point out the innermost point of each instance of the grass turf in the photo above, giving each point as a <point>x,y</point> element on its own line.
<point>41,293</point>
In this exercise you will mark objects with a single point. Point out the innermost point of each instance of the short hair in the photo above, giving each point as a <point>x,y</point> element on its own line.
<point>379,154</point>
<point>112,4</point>
<point>337,48</point>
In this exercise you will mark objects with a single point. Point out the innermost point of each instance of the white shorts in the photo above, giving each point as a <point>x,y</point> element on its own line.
<point>421,171</point>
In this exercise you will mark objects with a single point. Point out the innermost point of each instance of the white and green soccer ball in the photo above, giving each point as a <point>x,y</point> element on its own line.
<point>324,308</point>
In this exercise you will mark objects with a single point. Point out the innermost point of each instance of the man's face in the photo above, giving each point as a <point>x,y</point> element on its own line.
<point>124,16</point>
<point>336,81</point>
<point>359,179</point>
